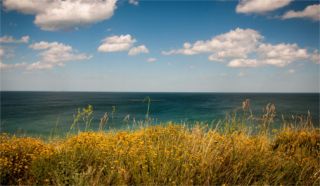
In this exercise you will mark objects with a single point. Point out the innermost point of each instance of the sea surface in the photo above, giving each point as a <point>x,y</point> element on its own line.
<point>41,113</point>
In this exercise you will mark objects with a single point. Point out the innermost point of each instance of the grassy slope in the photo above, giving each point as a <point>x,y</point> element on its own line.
<point>164,155</point>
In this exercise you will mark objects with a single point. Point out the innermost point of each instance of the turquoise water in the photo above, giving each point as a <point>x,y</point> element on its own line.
<point>41,112</point>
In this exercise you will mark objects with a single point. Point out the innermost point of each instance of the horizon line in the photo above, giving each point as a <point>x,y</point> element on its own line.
<point>217,92</point>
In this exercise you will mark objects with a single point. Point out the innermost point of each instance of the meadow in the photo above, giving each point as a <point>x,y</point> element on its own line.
<point>231,153</point>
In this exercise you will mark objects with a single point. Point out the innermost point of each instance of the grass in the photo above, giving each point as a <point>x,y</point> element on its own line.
<point>170,154</point>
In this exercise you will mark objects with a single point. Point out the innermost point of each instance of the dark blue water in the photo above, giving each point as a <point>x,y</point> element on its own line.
<point>41,112</point>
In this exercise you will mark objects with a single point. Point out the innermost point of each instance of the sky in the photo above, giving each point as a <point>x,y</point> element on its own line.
<point>160,46</point>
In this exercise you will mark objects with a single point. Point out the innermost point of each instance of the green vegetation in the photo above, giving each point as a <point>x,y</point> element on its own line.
<point>168,154</point>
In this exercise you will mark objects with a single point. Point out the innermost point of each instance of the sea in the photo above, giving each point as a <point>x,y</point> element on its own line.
<point>42,113</point>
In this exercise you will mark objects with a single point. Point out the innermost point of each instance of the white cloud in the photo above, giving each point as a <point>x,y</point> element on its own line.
<point>278,55</point>
<point>25,39</point>
<point>315,57</point>
<point>5,66</point>
<point>42,45</point>
<point>27,6</point>
<point>122,43</point>
<point>236,63</point>
<point>134,2</point>
<point>10,39</point>
<point>281,54</point>
<point>138,50</point>
<point>310,12</point>
<point>116,43</point>
<point>52,15</point>
<point>151,60</point>
<point>10,52</point>
<point>246,48</point>
<point>233,44</point>
<point>55,54</point>
<point>260,6</point>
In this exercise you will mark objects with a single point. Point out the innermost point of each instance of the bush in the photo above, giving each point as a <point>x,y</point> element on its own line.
<point>164,155</point>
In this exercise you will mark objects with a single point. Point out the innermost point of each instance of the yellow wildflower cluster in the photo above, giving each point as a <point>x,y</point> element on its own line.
<point>297,141</point>
<point>164,155</point>
<point>17,155</point>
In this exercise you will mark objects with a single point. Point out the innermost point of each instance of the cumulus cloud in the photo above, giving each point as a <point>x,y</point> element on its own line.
<point>281,54</point>
<point>10,39</point>
<point>116,43</point>
<point>27,6</point>
<point>54,54</point>
<point>134,2</point>
<point>260,6</point>
<point>310,12</point>
<point>235,63</point>
<point>236,43</point>
<point>278,55</point>
<point>151,60</point>
<point>52,15</point>
<point>138,50</point>
<point>122,43</point>
<point>246,48</point>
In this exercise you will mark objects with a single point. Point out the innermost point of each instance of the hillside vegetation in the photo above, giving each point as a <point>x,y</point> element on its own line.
<point>169,154</point>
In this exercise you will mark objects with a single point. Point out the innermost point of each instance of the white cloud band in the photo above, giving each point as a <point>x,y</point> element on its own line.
<point>138,50</point>
<point>116,43</point>
<point>260,6</point>
<point>245,48</point>
<point>52,15</point>
<point>10,39</point>
<point>310,12</point>
<point>122,43</point>
<point>55,54</point>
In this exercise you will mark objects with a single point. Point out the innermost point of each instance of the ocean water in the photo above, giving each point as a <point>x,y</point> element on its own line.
<point>35,113</point>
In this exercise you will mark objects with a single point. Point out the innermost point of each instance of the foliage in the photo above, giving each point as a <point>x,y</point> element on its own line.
<point>17,156</point>
<point>164,155</point>
<point>85,115</point>
<point>170,154</point>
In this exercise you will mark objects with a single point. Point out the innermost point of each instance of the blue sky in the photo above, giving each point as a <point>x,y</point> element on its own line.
<point>185,46</point>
